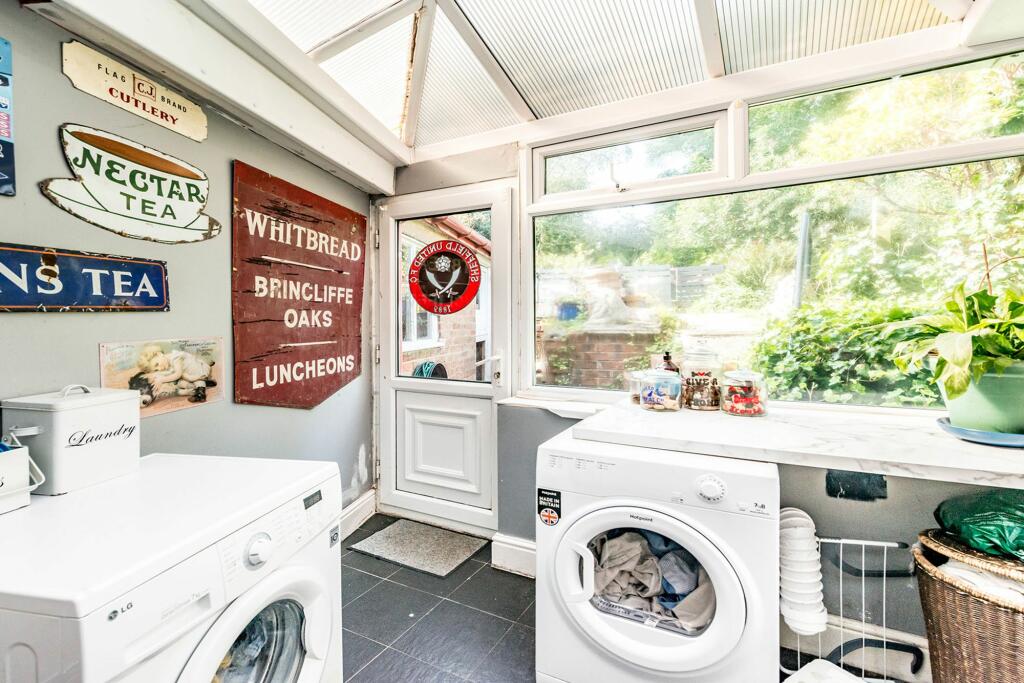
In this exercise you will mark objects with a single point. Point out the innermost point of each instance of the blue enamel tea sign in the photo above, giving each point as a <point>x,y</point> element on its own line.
<point>6,121</point>
<point>43,280</point>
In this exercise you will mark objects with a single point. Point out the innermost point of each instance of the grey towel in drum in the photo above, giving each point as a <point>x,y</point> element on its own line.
<point>625,567</point>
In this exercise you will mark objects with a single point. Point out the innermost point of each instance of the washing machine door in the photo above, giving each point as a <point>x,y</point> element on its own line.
<point>276,632</point>
<point>610,559</point>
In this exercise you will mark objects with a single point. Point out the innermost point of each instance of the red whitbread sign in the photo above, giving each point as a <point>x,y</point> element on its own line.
<point>296,292</point>
<point>444,277</point>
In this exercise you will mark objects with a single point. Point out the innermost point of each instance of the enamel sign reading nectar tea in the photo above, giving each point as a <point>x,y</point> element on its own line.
<point>130,189</point>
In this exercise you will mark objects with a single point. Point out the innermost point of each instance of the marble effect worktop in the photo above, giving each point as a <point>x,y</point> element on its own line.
<point>891,442</point>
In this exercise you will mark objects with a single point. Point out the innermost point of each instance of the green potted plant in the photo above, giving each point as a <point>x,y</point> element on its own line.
<point>975,346</point>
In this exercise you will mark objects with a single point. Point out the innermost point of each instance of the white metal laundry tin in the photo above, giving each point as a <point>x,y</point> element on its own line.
<point>86,435</point>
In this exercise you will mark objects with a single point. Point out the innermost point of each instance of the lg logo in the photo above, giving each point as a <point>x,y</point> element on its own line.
<point>115,613</point>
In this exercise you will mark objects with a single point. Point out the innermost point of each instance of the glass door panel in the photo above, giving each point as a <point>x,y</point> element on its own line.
<point>444,297</point>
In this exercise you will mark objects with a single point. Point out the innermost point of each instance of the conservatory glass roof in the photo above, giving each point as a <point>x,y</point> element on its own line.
<point>435,70</point>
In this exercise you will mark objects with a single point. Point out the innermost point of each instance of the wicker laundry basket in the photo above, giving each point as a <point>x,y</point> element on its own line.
<point>972,638</point>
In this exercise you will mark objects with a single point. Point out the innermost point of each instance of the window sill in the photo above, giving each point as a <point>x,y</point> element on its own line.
<point>576,410</point>
<point>421,345</point>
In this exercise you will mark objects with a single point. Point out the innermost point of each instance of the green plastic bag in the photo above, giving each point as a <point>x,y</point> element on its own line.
<point>992,521</point>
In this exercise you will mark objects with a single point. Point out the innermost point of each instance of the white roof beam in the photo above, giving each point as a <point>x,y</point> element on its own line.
<point>364,29</point>
<point>991,21</point>
<point>249,29</point>
<point>710,37</point>
<point>196,57</point>
<point>954,10</point>
<point>487,60</point>
<point>423,30</point>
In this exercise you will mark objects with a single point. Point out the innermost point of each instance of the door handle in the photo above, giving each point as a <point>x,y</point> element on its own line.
<point>496,375</point>
<point>586,591</point>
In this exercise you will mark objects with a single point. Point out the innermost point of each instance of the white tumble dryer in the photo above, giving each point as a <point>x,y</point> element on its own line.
<point>606,514</point>
<point>193,568</point>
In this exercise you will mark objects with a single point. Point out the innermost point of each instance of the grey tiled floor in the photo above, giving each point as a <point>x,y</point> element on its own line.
<point>402,626</point>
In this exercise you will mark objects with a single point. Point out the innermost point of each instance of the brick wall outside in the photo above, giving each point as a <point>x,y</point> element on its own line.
<point>590,359</point>
<point>457,352</point>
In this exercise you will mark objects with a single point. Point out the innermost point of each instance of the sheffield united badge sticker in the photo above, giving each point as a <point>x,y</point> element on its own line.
<point>444,277</point>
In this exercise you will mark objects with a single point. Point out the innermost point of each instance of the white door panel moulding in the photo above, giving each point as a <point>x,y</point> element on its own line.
<point>364,29</point>
<point>929,48</point>
<point>249,29</point>
<point>197,58</point>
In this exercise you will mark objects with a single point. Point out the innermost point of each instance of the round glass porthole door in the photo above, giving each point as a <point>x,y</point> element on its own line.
<point>269,649</point>
<point>650,589</point>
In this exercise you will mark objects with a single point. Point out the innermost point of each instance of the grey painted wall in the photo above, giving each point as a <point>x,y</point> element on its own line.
<point>42,352</point>
<point>906,511</point>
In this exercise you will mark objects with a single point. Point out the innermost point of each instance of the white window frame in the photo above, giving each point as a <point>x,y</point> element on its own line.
<point>433,338</point>
<point>715,121</point>
<point>732,124</point>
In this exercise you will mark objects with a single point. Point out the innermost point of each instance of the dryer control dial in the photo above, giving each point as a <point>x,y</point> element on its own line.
<point>711,488</point>
<point>259,551</point>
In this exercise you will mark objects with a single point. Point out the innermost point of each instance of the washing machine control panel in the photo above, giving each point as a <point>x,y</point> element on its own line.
<point>711,488</point>
<point>260,547</point>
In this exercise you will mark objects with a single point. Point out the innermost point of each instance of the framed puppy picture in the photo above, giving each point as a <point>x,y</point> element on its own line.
<point>169,374</point>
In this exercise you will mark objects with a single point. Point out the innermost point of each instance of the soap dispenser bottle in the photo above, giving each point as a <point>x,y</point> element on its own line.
<point>667,364</point>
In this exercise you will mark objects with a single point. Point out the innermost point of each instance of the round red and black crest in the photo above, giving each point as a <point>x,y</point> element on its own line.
<point>444,277</point>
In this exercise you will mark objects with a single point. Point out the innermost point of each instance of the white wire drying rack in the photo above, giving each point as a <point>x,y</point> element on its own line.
<point>869,635</point>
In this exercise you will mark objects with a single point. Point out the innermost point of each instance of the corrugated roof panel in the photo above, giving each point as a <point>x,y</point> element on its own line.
<point>310,22</point>
<point>572,54</point>
<point>757,33</point>
<point>374,71</point>
<point>459,98</point>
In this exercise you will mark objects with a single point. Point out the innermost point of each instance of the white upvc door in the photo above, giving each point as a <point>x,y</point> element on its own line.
<point>440,376</point>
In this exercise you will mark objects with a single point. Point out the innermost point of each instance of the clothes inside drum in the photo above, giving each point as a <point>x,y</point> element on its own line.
<point>644,576</point>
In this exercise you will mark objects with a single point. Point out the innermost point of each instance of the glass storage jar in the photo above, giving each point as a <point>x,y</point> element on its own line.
<point>661,390</point>
<point>744,393</point>
<point>701,374</point>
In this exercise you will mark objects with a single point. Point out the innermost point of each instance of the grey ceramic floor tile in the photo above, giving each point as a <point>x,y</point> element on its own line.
<point>435,584</point>
<point>352,539</point>
<point>483,555</point>
<point>497,592</point>
<point>395,667</point>
<point>387,611</point>
<point>511,661</point>
<point>357,652</point>
<point>370,565</point>
<point>377,522</point>
<point>354,583</point>
<point>453,637</point>
<point>529,617</point>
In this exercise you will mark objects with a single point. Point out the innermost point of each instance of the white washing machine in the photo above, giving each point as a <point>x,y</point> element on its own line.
<point>194,568</point>
<point>722,513</point>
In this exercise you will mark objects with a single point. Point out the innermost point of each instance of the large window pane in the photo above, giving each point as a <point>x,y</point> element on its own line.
<point>965,103</point>
<point>630,163</point>
<point>786,280</point>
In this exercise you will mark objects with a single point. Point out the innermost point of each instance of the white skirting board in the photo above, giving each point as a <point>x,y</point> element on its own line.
<point>358,511</point>
<point>513,554</point>
<point>896,664</point>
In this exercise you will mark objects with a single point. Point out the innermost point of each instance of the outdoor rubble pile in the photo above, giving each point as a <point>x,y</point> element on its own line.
<point>642,575</point>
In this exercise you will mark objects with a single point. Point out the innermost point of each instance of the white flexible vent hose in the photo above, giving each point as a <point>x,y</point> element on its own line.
<point>802,603</point>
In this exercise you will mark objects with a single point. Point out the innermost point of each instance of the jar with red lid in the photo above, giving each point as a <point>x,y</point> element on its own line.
<point>744,393</point>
